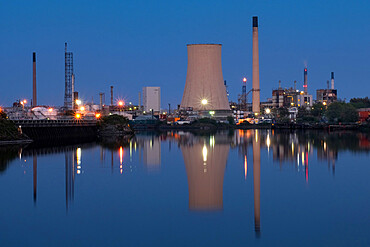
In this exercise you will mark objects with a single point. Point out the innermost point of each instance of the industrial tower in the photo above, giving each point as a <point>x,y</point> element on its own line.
<point>68,74</point>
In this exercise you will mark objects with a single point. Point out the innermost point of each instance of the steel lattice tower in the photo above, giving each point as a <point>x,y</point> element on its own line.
<point>68,67</point>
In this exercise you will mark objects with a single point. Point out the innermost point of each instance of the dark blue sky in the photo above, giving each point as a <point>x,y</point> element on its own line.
<point>131,44</point>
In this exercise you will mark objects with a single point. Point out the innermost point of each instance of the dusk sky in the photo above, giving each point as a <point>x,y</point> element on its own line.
<point>132,44</point>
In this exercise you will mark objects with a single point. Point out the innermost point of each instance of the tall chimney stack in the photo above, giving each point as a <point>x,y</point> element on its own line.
<point>279,84</point>
<point>295,85</point>
<point>255,70</point>
<point>139,101</point>
<point>111,95</point>
<point>34,95</point>
<point>305,80</point>
<point>332,80</point>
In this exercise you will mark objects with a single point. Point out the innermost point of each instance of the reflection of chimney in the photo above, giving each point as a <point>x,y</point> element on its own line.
<point>34,96</point>
<point>257,181</point>
<point>332,80</point>
<point>305,80</point>
<point>34,177</point>
<point>205,168</point>
<point>255,69</point>
<point>111,95</point>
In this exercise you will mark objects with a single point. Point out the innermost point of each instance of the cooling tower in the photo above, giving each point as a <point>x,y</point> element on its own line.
<point>204,88</point>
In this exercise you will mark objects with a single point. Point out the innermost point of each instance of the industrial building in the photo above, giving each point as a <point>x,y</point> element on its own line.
<point>329,95</point>
<point>291,97</point>
<point>152,99</point>
<point>204,90</point>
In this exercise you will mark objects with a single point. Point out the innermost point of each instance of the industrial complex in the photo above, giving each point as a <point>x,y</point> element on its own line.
<point>205,94</point>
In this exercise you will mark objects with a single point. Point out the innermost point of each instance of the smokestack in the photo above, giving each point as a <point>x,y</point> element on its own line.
<point>101,101</point>
<point>305,80</point>
<point>279,84</point>
<point>295,85</point>
<point>34,95</point>
<point>332,80</point>
<point>256,69</point>
<point>111,95</point>
<point>139,101</point>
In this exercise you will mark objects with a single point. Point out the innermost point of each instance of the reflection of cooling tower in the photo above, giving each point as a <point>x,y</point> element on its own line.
<point>205,167</point>
<point>204,88</point>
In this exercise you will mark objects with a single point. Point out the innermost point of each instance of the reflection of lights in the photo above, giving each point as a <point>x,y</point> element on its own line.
<point>298,158</point>
<point>130,149</point>
<point>212,141</point>
<point>204,102</point>
<point>268,141</point>
<point>78,172</point>
<point>78,156</point>
<point>292,148</point>
<point>302,158</point>
<point>245,167</point>
<point>204,151</point>
<point>120,155</point>
<point>256,131</point>
<point>78,167</point>
<point>324,146</point>
<point>120,166</point>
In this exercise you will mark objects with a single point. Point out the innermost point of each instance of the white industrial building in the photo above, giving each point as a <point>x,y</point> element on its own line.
<point>152,99</point>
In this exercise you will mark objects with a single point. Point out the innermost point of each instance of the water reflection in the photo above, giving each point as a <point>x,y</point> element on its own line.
<point>205,161</point>
<point>205,158</point>
<point>257,181</point>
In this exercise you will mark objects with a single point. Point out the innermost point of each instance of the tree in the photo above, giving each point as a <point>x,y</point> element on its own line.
<point>341,112</point>
<point>360,102</point>
<point>318,110</point>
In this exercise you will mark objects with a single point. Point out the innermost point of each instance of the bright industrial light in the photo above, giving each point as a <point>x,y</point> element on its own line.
<point>97,115</point>
<point>268,111</point>
<point>50,109</point>
<point>120,103</point>
<point>82,108</point>
<point>78,102</point>
<point>204,102</point>
<point>212,112</point>
<point>78,115</point>
<point>25,101</point>
<point>245,79</point>
<point>324,103</point>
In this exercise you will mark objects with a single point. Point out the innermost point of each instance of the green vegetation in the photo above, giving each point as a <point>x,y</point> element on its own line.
<point>360,102</point>
<point>8,131</point>
<point>338,112</point>
<point>114,120</point>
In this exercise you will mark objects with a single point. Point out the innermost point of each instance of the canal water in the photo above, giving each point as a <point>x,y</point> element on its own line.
<point>241,188</point>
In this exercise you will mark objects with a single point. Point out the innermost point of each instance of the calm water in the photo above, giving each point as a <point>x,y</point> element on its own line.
<point>241,188</point>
